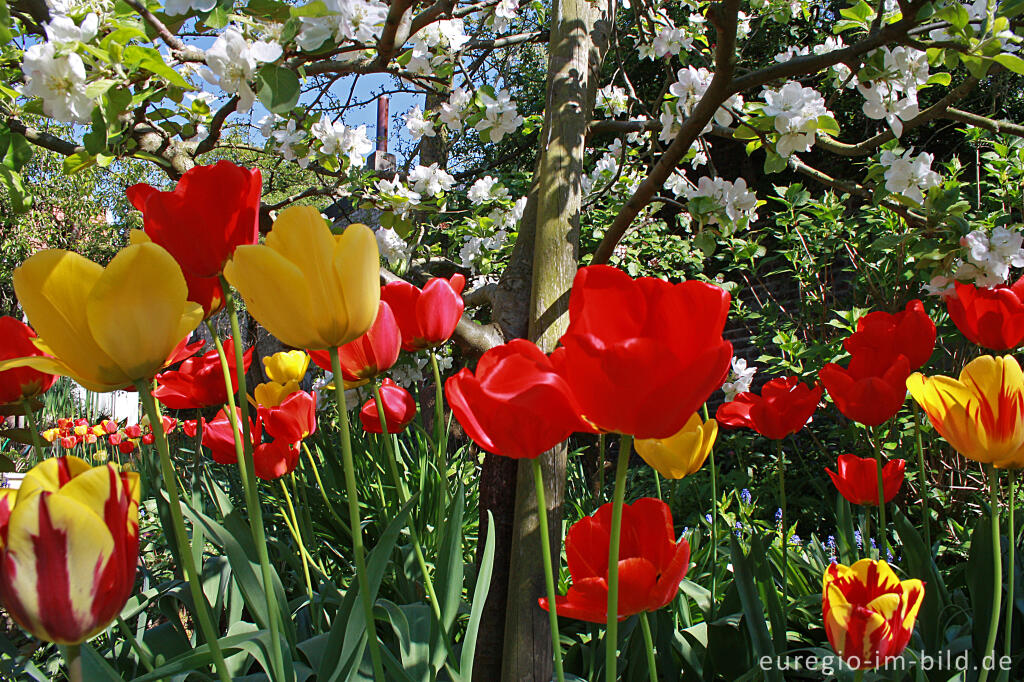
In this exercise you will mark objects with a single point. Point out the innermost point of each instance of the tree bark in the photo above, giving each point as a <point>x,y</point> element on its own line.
<point>574,54</point>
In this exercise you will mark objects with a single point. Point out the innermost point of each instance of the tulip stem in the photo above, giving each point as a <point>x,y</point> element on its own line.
<point>247,472</point>
<point>33,427</point>
<point>441,433</point>
<point>652,666</point>
<point>599,493</point>
<point>925,511</point>
<point>549,578</point>
<point>353,513</point>
<point>298,538</point>
<point>714,529</point>
<point>657,484</point>
<point>612,630</point>
<point>73,657</point>
<point>403,497</point>
<point>1012,551</point>
<point>883,542</point>
<point>192,575</point>
<point>784,530</point>
<point>323,493</point>
<point>997,570</point>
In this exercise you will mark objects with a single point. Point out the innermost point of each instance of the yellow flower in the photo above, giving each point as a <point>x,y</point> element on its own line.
<point>272,394</point>
<point>106,328</point>
<point>982,414</point>
<point>286,366</point>
<point>682,454</point>
<point>307,286</point>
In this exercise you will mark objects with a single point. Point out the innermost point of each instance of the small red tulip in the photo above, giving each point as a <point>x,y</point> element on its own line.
<point>275,459</point>
<point>293,419</point>
<point>219,436</point>
<point>23,382</point>
<point>109,426</point>
<point>68,442</point>
<point>515,384</point>
<point>191,426</point>
<point>374,352</point>
<point>427,317</point>
<point>115,438</point>
<point>133,431</point>
<point>213,210</point>
<point>641,356</point>
<point>910,333</point>
<point>869,391</point>
<point>126,447</point>
<point>989,317</point>
<point>857,479</point>
<point>148,439</point>
<point>784,406</point>
<point>651,562</point>
<point>399,409</point>
<point>199,382</point>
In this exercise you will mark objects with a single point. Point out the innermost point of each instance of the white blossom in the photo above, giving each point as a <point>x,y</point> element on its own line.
<point>451,113</point>
<point>990,257</point>
<point>430,180</point>
<point>909,176</point>
<point>894,97</point>
<point>733,200</point>
<point>392,246</point>
<point>487,189</point>
<point>361,21</point>
<point>740,378</point>
<point>59,79</point>
<point>613,100</point>
<point>690,86</point>
<point>677,184</point>
<point>504,12</point>
<point>175,8</point>
<point>289,141</point>
<point>796,110</point>
<point>337,138</point>
<point>398,197</point>
<point>500,115</point>
<point>418,125</point>
<point>62,31</point>
<point>233,62</point>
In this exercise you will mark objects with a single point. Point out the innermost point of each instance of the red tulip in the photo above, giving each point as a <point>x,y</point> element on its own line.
<point>219,436</point>
<point>651,562</point>
<point>199,382</point>
<point>784,406</point>
<point>183,351</point>
<point>910,333</point>
<point>115,438</point>
<point>857,479</point>
<point>643,355</point>
<point>22,382</point>
<point>989,317</point>
<point>212,210</point>
<point>126,447</point>
<point>515,385</point>
<point>869,392</point>
<point>109,426</point>
<point>133,431</point>
<point>427,317</point>
<point>191,426</point>
<point>275,459</point>
<point>399,409</point>
<point>68,442</point>
<point>372,353</point>
<point>293,419</point>
<point>207,292</point>
<point>148,439</point>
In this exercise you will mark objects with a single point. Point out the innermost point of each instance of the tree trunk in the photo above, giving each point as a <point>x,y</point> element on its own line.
<point>527,651</point>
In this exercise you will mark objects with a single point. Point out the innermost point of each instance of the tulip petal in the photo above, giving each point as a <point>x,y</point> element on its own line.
<point>276,293</point>
<point>53,287</point>
<point>357,267</point>
<point>137,310</point>
<point>51,475</point>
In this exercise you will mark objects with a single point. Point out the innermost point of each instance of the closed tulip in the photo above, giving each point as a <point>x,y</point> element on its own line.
<point>871,390</point>
<point>106,328</point>
<point>399,409</point>
<point>514,385</point>
<point>199,382</point>
<point>783,408</point>
<point>991,317</point>
<point>643,355</point>
<point>651,562</point>
<point>308,287</point>
<point>982,414</point>
<point>69,544</point>
<point>292,420</point>
<point>212,211</point>
<point>910,333</point>
<point>856,479</point>
<point>22,382</point>
<point>275,459</point>
<point>427,317</point>
<point>869,613</point>
<point>682,454</point>
<point>219,436</point>
<point>374,352</point>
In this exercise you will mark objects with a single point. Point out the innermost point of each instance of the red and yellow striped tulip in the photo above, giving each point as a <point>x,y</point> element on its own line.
<point>69,544</point>
<point>869,613</point>
<point>982,414</point>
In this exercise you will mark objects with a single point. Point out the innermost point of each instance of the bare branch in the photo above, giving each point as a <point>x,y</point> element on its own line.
<point>41,139</point>
<point>505,41</point>
<point>216,123</point>
<point>387,44</point>
<point>998,127</point>
<point>179,49</point>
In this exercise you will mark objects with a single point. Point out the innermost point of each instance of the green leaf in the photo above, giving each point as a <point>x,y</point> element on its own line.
<point>15,150</point>
<point>5,22</point>
<point>1011,62</point>
<point>150,59</point>
<point>95,667</point>
<point>753,609</point>
<point>277,88</point>
<point>483,586</point>
<point>78,161</point>
<point>859,12</point>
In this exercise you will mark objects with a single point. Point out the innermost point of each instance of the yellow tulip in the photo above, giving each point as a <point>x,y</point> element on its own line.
<point>106,328</point>
<point>307,286</point>
<point>682,454</point>
<point>982,414</point>
<point>272,394</point>
<point>286,366</point>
